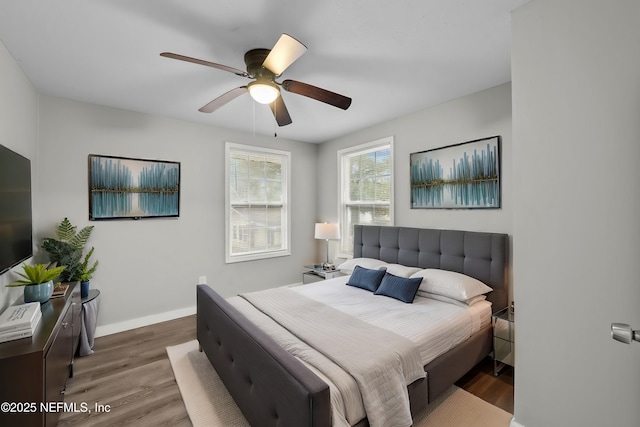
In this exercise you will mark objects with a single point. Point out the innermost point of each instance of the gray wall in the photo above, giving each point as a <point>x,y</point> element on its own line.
<point>149,268</point>
<point>576,121</point>
<point>18,132</point>
<point>483,114</point>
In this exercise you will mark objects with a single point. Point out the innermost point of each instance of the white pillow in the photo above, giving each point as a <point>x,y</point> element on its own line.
<point>442,298</point>
<point>370,263</point>
<point>401,270</point>
<point>450,284</point>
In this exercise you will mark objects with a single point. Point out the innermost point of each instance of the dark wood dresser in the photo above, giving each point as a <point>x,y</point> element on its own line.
<point>34,371</point>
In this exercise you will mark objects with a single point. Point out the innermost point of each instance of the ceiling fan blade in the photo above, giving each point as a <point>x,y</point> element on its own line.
<point>317,93</point>
<point>223,99</point>
<point>280,112</point>
<point>203,62</point>
<point>284,53</point>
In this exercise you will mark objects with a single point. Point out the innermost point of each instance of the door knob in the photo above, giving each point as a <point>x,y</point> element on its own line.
<point>623,333</point>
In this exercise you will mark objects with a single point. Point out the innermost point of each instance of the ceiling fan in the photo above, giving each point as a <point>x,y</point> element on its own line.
<point>263,67</point>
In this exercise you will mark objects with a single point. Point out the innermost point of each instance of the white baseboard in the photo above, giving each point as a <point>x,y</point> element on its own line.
<point>114,328</point>
<point>514,423</point>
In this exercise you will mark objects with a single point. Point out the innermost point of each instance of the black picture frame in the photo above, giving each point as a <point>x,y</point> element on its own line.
<point>460,176</point>
<point>129,188</point>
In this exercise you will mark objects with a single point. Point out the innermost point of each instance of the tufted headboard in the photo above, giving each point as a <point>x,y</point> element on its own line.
<point>476,254</point>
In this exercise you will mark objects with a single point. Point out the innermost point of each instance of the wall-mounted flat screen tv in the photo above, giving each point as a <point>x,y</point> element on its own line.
<point>120,188</point>
<point>16,237</point>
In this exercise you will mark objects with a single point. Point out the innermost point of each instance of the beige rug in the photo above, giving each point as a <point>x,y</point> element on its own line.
<point>209,404</point>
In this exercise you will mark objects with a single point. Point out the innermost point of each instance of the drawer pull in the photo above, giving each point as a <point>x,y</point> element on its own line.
<point>65,324</point>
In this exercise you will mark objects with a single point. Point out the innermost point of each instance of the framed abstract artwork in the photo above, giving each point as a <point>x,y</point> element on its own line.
<point>124,188</point>
<point>460,176</point>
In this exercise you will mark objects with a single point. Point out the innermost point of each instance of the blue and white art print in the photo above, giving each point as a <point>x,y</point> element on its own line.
<point>461,176</point>
<point>120,187</point>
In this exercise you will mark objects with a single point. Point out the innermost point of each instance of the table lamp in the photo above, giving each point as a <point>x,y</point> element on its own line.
<point>327,231</point>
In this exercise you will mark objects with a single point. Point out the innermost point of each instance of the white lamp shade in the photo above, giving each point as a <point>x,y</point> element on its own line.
<point>327,231</point>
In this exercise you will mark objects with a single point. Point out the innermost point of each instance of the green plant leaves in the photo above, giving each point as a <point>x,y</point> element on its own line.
<point>80,239</point>
<point>86,272</point>
<point>67,233</point>
<point>36,274</point>
<point>67,250</point>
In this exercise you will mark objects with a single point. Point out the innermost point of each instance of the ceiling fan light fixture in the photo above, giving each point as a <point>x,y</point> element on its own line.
<point>263,91</point>
<point>263,67</point>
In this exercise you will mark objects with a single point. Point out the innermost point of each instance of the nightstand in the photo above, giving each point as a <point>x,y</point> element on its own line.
<point>504,344</point>
<point>313,273</point>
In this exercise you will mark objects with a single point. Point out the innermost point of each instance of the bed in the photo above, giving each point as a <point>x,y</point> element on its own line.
<point>275,388</point>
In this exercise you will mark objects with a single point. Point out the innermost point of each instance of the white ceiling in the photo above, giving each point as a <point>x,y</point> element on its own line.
<point>391,57</point>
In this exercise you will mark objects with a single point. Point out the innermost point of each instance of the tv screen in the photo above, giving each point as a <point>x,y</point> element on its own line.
<point>16,239</point>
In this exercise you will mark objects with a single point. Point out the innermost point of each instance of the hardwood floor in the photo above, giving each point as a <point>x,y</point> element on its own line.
<point>130,375</point>
<point>481,382</point>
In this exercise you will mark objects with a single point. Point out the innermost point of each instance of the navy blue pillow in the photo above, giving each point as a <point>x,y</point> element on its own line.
<point>400,288</point>
<point>366,278</point>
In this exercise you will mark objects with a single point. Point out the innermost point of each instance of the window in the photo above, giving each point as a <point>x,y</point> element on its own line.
<point>366,188</point>
<point>257,209</point>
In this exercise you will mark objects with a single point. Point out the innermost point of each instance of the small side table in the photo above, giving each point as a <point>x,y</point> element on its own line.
<point>316,274</point>
<point>504,343</point>
<point>90,308</point>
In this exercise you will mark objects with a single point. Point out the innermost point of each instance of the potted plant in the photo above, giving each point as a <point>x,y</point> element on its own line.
<point>37,281</point>
<point>67,249</point>
<point>86,272</point>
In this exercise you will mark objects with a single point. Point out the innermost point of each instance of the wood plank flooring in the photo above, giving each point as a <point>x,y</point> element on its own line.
<point>481,382</point>
<point>130,372</point>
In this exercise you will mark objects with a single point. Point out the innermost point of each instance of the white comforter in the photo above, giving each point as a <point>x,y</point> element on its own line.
<point>433,326</point>
<point>381,362</point>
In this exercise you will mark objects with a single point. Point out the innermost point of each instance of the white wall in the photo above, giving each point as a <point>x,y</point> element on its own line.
<point>151,266</point>
<point>576,149</point>
<point>483,114</point>
<point>18,132</point>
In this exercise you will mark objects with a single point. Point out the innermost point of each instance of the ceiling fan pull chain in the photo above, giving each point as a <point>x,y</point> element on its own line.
<point>275,113</point>
<point>253,109</point>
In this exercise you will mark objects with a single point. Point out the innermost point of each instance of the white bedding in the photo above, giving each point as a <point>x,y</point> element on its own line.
<point>381,362</point>
<point>347,407</point>
<point>433,326</point>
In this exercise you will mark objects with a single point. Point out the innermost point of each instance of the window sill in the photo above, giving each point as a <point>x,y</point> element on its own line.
<point>255,256</point>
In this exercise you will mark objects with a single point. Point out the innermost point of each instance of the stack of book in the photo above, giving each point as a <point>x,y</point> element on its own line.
<point>59,290</point>
<point>19,321</point>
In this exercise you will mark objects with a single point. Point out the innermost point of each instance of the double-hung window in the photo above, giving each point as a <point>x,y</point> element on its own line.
<point>257,202</point>
<point>366,188</point>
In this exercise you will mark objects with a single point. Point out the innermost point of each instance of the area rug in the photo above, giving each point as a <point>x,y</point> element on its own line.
<point>209,404</point>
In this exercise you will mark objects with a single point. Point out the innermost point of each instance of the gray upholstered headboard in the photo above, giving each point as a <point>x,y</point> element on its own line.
<point>476,254</point>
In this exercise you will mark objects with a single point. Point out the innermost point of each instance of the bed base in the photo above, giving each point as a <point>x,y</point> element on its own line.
<point>270,386</point>
<point>273,388</point>
<point>448,368</point>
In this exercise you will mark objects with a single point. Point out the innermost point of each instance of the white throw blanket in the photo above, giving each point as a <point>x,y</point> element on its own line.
<point>382,363</point>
